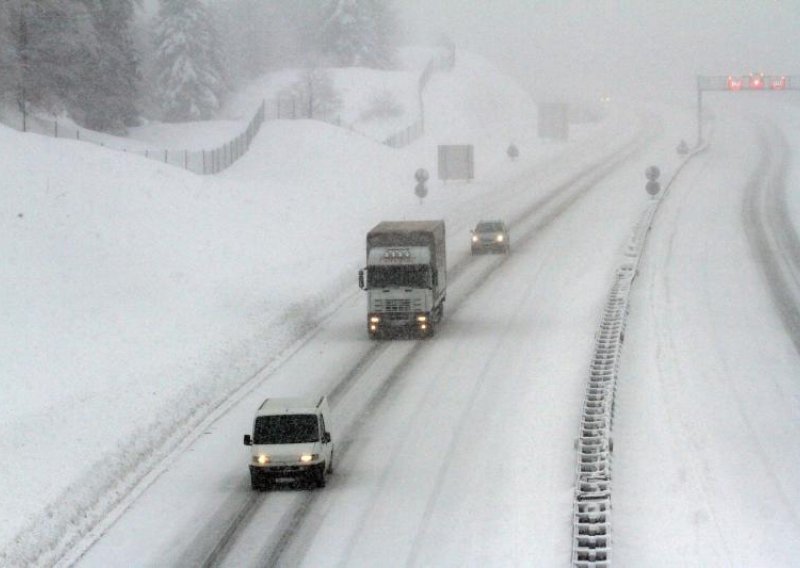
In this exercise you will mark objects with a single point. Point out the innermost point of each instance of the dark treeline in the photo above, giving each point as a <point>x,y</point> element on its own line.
<point>105,65</point>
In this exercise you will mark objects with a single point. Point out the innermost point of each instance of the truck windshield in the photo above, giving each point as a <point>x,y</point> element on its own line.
<point>410,276</point>
<point>286,429</point>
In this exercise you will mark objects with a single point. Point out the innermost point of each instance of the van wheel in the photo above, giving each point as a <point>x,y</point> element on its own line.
<point>319,476</point>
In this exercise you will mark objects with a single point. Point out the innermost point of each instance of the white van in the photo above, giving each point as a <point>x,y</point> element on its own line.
<point>291,439</point>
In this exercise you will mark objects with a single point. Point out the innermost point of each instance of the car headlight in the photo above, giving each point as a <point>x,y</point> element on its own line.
<point>308,458</point>
<point>261,459</point>
<point>474,238</point>
<point>499,238</point>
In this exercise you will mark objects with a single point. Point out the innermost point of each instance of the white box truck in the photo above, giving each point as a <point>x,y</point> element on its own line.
<point>291,439</point>
<point>405,278</point>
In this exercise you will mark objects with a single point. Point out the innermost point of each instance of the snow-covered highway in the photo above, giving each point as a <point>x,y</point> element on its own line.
<point>706,453</point>
<point>426,424</point>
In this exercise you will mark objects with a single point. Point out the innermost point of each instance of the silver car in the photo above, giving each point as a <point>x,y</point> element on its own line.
<point>490,236</point>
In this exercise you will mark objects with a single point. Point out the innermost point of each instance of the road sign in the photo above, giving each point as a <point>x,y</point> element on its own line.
<point>653,187</point>
<point>456,162</point>
<point>652,173</point>
<point>748,82</point>
<point>421,191</point>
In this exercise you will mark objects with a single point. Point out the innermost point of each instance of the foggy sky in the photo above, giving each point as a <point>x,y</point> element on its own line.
<point>634,49</point>
<point>640,49</point>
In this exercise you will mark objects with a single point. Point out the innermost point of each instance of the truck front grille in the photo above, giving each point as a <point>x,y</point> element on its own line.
<point>403,305</point>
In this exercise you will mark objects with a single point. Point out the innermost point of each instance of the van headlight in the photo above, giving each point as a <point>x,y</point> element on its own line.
<point>308,458</point>
<point>499,238</point>
<point>474,238</point>
<point>261,459</point>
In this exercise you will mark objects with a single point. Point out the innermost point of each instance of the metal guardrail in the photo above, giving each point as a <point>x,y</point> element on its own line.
<point>591,518</point>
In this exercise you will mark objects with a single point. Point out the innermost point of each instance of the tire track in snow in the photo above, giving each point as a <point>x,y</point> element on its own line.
<point>669,366</point>
<point>575,188</point>
<point>774,241</point>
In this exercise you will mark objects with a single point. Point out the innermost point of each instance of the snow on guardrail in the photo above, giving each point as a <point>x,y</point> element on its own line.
<point>591,518</point>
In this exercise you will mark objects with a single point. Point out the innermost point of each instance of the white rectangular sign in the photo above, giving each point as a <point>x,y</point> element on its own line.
<point>456,162</point>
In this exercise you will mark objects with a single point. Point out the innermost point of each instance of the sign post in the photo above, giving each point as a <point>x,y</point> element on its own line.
<point>652,174</point>
<point>421,190</point>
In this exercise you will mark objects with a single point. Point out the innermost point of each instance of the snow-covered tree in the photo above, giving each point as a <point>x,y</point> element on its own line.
<point>115,76</point>
<point>244,29</point>
<point>359,33</point>
<point>190,80</point>
<point>56,46</point>
<point>9,63</point>
<point>71,56</point>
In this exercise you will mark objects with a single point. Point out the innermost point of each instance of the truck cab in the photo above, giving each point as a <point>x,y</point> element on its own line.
<point>291,439</point>
<point>405,278</point>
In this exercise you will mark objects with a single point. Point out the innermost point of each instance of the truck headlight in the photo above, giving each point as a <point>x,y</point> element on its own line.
<point>261,459</point>
<point>374,319</point>
<point>308,458</point>
<point>422,319</point>
<point>474,238</point>
<point>499,238</point>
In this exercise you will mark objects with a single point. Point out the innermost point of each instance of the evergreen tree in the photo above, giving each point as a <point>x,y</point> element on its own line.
<point>359,33</point>
<point>244,35</point>
<point>56,47</point>
<point>9,63</point>
<point>190,81</point>
<point>71,55</point>
<point>296,33</point>
<point>115,75</point>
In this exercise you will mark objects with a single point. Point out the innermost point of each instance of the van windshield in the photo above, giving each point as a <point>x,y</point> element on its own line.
<point>490,227</point>
<point>286,429</point>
